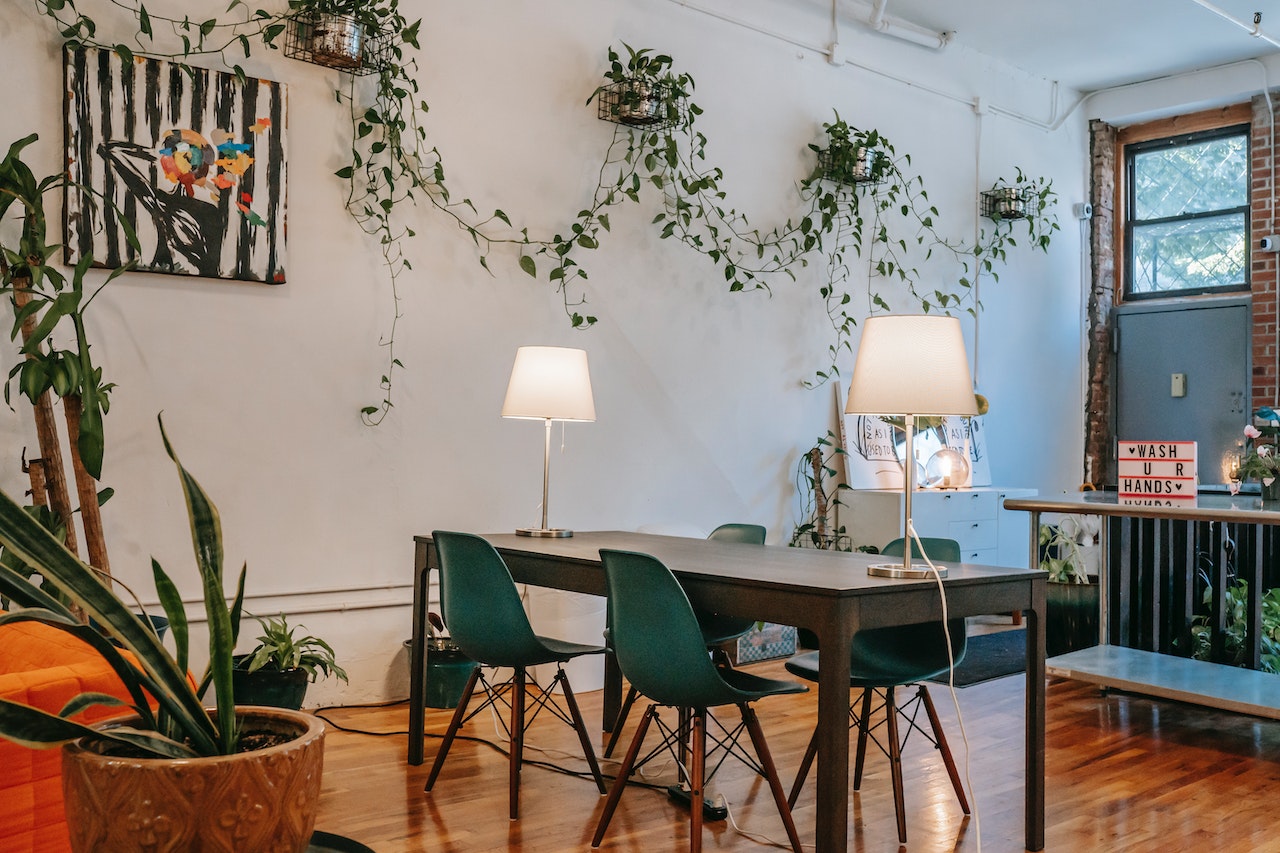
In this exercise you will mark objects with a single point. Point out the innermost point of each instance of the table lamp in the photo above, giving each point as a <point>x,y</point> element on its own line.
<point>910,365</point>
<point>549,384</point>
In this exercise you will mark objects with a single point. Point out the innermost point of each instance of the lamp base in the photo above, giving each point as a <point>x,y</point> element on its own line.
<point>544,532</point>
<point>898,570</point>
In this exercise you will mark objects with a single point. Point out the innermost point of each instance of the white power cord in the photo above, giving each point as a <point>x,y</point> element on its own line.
<point>951,681</point>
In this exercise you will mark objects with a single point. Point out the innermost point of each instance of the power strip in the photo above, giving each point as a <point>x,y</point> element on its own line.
<point>710,811</point>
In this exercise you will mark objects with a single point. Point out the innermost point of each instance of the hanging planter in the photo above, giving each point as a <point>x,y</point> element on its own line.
<point>639,103</point>
<point>345,42</point>
<point>1007,202</point>
<point>850,165</point>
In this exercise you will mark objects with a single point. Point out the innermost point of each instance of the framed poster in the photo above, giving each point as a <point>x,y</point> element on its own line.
<point>193,159</point>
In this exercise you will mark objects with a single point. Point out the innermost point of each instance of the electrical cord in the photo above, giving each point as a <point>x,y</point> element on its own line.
<point>951,681</point>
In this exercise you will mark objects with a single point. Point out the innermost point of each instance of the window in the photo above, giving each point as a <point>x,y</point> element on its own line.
<point>1187,223</point>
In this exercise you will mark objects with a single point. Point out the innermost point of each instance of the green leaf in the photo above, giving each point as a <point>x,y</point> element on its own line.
<point>527,264</point>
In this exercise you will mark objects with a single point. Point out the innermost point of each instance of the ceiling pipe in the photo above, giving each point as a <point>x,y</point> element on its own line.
<point>878,21</point>
<point>1253,28</point>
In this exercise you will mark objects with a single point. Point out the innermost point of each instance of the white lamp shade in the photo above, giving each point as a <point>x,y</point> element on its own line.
<point>911,364</point>
<point>550,382</point>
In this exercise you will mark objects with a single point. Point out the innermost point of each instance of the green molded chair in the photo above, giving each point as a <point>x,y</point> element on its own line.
<point>660,650</point>
<point>485,617</point>
<point>717,628</point>
<point>883,659</point>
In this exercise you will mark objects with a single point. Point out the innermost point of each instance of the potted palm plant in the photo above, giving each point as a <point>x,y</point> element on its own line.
<point>277,671</point>
<point>129,784</point>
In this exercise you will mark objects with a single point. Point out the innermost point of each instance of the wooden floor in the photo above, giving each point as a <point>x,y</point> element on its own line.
<point>1125,773</point>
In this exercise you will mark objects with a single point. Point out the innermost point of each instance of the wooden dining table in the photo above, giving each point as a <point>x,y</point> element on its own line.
<point>828,592</point>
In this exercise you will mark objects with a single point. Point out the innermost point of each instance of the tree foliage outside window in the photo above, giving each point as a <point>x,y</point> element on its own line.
<point>1187,227</point>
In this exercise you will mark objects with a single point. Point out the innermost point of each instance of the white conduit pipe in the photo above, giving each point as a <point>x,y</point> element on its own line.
<point>1252,28</point>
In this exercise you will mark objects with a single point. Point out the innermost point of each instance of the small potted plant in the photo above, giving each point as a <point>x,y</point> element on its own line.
<point>276,673</point>
<point>851,156</point>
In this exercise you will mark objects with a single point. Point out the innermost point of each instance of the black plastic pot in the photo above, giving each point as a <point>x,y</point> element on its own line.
<point>268,686</point>
<point>1071,620</point>
<point>447,672</point>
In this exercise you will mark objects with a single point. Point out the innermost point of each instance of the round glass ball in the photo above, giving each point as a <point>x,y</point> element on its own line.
<point>946,469</point>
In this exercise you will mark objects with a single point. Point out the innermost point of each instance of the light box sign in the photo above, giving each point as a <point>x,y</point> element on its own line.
<point>1157,473</point>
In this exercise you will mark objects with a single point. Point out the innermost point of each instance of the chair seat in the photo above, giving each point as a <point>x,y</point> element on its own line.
<point>717,628</point>
<point>888,657</point>
<point>757,686</point>
<point>565,650</point>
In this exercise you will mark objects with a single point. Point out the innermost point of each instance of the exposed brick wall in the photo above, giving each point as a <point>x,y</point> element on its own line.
<point>1102,171</point>
<point>1263,265</point>
<point>1104,148</point>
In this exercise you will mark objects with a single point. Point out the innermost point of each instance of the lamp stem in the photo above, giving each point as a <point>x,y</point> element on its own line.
<point>909,475</point>
<point>546,473</point>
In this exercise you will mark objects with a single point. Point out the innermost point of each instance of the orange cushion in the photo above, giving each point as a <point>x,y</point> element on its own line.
<point>43,667</point>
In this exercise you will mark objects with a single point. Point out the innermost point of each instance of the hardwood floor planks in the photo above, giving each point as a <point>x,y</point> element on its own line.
<point>1125,774</point>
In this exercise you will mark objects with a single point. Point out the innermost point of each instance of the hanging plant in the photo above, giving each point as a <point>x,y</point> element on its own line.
<point>655,144</point>
<point>869,207</point>
<point>1012,206</point>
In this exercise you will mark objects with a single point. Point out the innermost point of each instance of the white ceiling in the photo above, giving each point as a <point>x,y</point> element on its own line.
<point>1097,44</point>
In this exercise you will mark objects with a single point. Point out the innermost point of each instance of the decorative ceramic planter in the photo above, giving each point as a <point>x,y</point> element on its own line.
<point>259,800</point>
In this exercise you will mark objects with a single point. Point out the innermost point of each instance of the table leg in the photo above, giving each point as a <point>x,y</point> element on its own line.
<point>832,818</point>
<point>418,652</point>
<point>1035,719</point>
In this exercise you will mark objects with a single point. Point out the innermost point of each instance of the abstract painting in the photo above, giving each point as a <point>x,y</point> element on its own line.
<point>193,160</point>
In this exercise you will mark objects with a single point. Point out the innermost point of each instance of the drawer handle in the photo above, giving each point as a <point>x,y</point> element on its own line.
<point>975,525</point>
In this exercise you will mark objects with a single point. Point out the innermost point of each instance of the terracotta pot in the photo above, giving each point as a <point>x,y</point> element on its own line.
<point>260,800</point>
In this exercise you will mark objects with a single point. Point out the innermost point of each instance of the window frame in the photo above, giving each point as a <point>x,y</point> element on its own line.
<point>1223,121</point>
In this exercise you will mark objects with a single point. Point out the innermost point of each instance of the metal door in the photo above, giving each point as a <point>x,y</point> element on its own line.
<point>1182,373</point>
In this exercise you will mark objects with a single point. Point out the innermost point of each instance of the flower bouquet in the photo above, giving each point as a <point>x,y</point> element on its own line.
<point>1260,461</point>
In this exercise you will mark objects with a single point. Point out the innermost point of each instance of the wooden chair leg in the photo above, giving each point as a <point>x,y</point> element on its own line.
<point>805,763</point>
<point>517,739</point>
<point>455,723</point>
<point>944,748</point>
<point>771,773</point>
<point>697,772</point>
<point>864,729</point>
<point>621,721</point>
<point>895,763</point>
<point>624,771</point>
<point>581,728</point>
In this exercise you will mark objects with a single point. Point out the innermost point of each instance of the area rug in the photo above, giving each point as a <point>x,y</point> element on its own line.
<point>991,656</point>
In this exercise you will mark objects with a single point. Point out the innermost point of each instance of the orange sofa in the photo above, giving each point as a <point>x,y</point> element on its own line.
<point>45,668</point>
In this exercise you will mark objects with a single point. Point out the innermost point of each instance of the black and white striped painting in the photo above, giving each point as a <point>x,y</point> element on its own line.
<point>192,159</point>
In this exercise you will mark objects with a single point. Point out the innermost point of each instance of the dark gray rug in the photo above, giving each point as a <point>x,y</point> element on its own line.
<point>991,656</point>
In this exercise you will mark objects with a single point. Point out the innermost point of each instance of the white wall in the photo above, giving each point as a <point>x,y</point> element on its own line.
<point>701,414</point>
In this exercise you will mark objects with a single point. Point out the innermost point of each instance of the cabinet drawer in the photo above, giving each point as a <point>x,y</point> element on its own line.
<point>975,534</point>
<point>953,506</point>
<point>981,556</point>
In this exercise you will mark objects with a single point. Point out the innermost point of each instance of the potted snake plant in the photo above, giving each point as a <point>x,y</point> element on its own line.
<point>128,782</point>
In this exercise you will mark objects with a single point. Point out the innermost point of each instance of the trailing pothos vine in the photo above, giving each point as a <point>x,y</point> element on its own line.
<point>391,163</point>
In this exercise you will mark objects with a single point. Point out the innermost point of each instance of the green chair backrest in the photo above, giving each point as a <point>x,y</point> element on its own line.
<point>749,534</point>
<point>482,608</point>
<point>947,550</point>
<point>655,635</point>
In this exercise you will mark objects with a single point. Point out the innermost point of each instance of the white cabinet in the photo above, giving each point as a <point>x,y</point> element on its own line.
<point>976,518</point>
